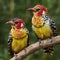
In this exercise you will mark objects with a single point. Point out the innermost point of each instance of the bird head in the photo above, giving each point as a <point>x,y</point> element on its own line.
<point>38,10</point>
<point>16,23</point>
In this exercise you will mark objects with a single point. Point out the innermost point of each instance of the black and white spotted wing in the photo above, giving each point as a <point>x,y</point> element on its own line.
<point>11,53</point>
<point>53,27</point>
<point>51,23</point>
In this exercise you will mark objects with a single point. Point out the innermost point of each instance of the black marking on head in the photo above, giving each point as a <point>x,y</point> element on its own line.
<point>14,19</point>
<point>37,10</point>
<point>16,22</point>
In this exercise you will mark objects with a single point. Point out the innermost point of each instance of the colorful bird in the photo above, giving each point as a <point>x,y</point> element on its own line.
<point>43,26</point>
<point>18,36</point>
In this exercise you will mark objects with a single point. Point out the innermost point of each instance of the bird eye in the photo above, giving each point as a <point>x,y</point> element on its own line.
<point>16,22</point>
<point>37,9</point>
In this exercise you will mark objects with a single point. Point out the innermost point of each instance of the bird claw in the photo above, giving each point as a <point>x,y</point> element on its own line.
<point>39,42</point>
<point>15,56</point>
<point>25,50</point>
<point>51,40</point>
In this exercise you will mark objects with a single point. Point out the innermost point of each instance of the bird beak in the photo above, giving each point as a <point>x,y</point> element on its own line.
<point>31,9</point>
<point>10,23</point>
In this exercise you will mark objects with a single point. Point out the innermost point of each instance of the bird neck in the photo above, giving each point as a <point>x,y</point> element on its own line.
<point>18,33</point>
<point>37,21</point>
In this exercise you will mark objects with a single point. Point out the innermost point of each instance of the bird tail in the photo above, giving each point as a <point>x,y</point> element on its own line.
<point>49,50</point>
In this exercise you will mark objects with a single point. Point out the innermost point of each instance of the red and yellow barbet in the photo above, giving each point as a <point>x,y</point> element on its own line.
<point>18,37</point>
<point>43,26</point>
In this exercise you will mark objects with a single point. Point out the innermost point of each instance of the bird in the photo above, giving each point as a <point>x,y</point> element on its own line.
<point>43,25</point>
<point>18,37</point>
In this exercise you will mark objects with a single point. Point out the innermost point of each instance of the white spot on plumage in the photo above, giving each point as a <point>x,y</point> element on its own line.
<point>47,22</point>
<point>43,13</point>
<point>22,25</point>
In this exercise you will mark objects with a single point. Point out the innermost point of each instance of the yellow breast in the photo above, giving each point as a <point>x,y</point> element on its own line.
<point>18,45</point>
<point>43,32</point>
<point>37,21</point>
<point>20,38</point>
<point>18,33</point>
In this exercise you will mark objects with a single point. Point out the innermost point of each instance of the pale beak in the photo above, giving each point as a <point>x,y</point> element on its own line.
<point>31,9</point>
<point>10,23</point>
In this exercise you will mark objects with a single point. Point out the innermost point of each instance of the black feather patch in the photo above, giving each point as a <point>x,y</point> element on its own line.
<point>52,25</point>
<point>11,53</point>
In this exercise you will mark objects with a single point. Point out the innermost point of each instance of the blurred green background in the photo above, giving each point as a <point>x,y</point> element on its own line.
<point>17,8</point>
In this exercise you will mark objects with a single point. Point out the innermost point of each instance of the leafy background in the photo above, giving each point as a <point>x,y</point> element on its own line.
<point>17,8</point>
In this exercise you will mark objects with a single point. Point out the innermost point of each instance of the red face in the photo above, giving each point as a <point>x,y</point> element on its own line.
<point>18,23</point>
<point>39,9</point>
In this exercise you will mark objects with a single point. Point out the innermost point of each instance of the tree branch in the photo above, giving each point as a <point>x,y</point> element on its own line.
<point>35,47</point>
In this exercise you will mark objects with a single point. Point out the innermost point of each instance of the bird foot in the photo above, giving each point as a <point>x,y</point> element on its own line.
<point>25,50</point>
<point>15,56</point>
<point>39,42</point>
<point>51,40</point>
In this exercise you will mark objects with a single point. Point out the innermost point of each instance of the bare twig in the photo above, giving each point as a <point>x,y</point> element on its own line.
<point>35,47</point>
